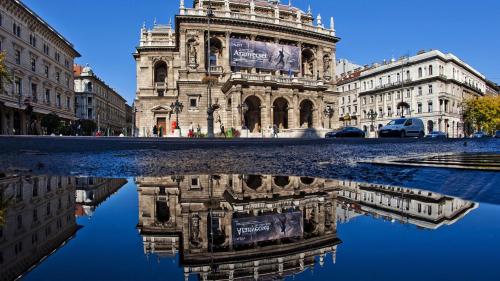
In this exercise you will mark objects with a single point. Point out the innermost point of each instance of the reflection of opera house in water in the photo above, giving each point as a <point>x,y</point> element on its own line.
<point>40,216</point>
<point>177,213</point>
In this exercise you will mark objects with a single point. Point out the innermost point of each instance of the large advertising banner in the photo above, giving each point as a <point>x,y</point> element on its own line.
<point>271,56</point>
<point>267,228</point>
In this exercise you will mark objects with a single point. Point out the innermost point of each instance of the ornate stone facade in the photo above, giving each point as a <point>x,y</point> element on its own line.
<point>173,64</point>
<point>40,61</point>
<point>177,213</point>
<point>429,85</point>
<point>97,101</point>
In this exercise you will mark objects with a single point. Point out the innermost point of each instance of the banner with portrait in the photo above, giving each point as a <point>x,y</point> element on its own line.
<point>267,228</point>
<point>270,56</point>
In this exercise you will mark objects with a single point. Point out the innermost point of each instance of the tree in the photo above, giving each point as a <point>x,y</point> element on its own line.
<point>483,113</point>
<point>88,127</point>
<point>51,122</point>
<point>4,72</point>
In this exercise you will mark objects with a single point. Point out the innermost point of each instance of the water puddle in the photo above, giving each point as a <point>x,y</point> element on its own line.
<point>240,227</point>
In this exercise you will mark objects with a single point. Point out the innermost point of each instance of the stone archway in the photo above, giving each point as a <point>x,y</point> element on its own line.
<point>253,114</point>
<point>306,114</point>
<point>281,181</point>
<point>253,181</point>
<point>280,113</point>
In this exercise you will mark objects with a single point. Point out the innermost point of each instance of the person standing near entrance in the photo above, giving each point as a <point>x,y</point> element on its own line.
<point>155,131</point>
<point>160,132</point>
<point>198,131</point>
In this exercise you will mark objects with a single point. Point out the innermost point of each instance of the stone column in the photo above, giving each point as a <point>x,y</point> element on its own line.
<point>226,63</point>
<point>267,120</point>
<point>295,114</point>
<point>299,45</point>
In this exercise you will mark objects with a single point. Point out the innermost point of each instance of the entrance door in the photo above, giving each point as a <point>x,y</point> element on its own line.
<point>161,123</point>
<point>17,123</point>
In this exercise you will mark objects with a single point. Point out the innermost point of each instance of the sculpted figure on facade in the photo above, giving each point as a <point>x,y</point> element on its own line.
<point>326,67</point>
<point>195,239</point>
<point>192,53</point>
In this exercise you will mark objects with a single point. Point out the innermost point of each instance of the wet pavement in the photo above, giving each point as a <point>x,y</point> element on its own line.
<point>247,210</point>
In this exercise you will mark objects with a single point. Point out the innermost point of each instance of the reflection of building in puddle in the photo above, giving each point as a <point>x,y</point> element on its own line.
<point>91,192</point>
<point>422,208</point>
<point>39,219</point>
<point>239,227</point>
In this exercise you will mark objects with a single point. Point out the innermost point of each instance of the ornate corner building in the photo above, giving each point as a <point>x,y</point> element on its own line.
<point>40,63</point>
<point>262,63</point>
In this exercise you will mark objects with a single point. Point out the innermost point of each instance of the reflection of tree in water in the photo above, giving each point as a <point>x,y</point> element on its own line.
<point>253,181</point>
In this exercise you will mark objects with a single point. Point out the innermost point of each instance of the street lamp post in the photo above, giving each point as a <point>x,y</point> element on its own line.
<point>177,108</point>
<point>372,115</point>
<point>211,107</point>
<point>328,112</point>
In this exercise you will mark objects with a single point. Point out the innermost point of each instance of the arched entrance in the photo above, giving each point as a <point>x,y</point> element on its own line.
<point>280,115</point>
<point>306,114</point>
<point>253,114</point>
<point>430,126</point>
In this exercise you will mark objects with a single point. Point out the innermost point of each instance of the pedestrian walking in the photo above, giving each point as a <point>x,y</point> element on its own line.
<point>198,131</point>
<point>222,131</point>
<point>274,131</point>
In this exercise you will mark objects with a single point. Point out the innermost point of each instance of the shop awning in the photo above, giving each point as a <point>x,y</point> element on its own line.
<point>41,111</point>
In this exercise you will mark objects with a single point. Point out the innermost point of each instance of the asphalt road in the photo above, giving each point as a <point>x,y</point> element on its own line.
<point>336,158</point>
<point>49,144</point>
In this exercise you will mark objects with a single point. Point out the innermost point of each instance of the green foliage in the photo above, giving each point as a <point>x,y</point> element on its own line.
<point>483,113</point>
<point>88,127</point>
<point>51,122</point>
<point>4,72</point>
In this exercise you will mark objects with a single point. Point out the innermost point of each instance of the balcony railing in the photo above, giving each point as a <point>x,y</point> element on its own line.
<point>160,85</point>
<point>217,69</point>
<point>276,79</point>
<point>260,18</point>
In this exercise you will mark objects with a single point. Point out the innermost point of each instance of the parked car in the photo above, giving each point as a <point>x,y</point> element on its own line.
<point>497,134</point>
<point>347,132</point>
<point>436,135</point>
<point>480,135</point>
<point>403,127</point>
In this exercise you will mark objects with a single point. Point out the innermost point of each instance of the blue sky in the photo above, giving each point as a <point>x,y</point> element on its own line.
<point>106,32</point>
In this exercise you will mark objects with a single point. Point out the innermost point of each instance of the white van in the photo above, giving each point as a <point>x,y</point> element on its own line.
<point>403,127</point>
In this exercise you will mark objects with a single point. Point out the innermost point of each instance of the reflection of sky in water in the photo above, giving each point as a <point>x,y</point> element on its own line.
<point>377,243</point>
